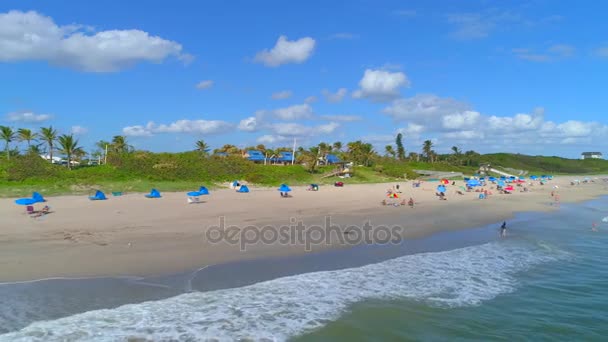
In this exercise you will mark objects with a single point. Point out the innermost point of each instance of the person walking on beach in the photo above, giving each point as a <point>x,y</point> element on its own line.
<point>503,229</point>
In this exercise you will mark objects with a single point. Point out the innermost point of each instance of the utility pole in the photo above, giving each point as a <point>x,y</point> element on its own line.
<point>105,156</point>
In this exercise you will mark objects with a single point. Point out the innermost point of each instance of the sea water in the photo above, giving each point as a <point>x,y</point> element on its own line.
<point>547,280</point>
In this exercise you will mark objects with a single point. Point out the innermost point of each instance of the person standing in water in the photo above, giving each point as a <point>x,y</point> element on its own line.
<point>503,229</point>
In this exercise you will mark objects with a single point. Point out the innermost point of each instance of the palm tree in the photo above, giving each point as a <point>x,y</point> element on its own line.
<point>310,158</point>
<point>24,134</point>
<point>8,135</point>
<point>337,146</point>
<point>49,135</point>
<point>69,146</point>
<point>120,145</point>
<point>400,148</point>
<point>229,149</point>
<point>202,147</point>
<point>413,156</point>
<point>427,150</point>
<point>390,151</point>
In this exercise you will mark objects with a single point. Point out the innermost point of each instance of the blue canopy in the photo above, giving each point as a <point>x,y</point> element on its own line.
<point>284,188</point>
<point>202,191</point>
<point>99,196</point>
<point>243,188</point>
<point>466,179</point>
<point>441,188</point>
<point>492,179</point>
<point>25,201</point>
<point>534,177</point>
<point>38,197</point>
<point>154,194</point>
<point>473,182</point>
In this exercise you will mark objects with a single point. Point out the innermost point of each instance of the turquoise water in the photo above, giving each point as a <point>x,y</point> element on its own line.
<point>563,299</point>
<point>546,281</point>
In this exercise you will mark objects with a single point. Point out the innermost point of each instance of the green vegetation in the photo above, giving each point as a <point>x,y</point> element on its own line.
<point>127,170</point>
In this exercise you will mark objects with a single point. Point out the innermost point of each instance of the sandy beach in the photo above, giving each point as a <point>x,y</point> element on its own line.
<point>133,235</point>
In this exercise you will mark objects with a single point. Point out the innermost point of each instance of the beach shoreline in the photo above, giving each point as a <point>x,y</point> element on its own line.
<point>134,236</point>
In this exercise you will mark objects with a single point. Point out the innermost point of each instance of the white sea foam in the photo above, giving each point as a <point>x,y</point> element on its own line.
<point>278,309</point>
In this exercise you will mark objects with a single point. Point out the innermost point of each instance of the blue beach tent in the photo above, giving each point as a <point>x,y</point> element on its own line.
<point>153,194</point>
<point>99,196</point>
<point>202,191</point>
<point>25,201</point>
<point>243,189</point>
<point>38,197</point>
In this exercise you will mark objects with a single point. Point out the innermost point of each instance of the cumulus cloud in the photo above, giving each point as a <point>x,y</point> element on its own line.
<point>27,117</point>
<point>79,130</point>
<point>462,120</point>
<point>424,108</point>
<point>270,139</point>
<point>299,130</point>
<point>336,97</point>
<point>381,85</point>
<point>295,112</point>
<point>286,51</point>
<point>30,36</point>
<point>282,95</point>
<point>249,124</point>
<point>180,126</point>
<point>204,84</point>
<point>551,53</point>
<point>310,99</point>
<point>344,118</point>
<point>344,35</point>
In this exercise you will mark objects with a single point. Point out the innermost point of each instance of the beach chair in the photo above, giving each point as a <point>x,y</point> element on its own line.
<point>154,194</point>
<point>29,210</point>
<point>99,196</point>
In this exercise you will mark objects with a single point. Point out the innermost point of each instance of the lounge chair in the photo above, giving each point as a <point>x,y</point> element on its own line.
<point>30,210</point>
<point>154,194</point>
<point>99,196</point>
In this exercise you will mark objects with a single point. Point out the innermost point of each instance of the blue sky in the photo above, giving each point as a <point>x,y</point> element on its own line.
<point>518,76</point>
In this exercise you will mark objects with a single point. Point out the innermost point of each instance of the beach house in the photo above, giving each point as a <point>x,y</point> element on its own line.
<point>592,155</point>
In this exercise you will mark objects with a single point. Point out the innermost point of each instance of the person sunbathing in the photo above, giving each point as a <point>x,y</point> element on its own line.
<point>45,210</point>
<point>411,202</point>
<point>459,192</point>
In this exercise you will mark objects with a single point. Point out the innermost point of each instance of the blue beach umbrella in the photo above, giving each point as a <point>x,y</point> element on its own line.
<point>473,182</point>
<point>441,188</point>
<point>284,188</point>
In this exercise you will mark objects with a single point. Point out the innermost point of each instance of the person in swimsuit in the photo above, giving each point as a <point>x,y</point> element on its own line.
<point>503,229</point>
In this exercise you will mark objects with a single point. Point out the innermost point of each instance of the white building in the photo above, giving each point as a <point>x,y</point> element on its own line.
<point>56,160</point>
<point>592,155</point>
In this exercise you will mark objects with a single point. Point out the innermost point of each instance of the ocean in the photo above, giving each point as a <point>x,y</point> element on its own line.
<point>547,280</point>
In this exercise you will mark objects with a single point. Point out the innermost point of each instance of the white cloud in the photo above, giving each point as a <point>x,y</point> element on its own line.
<point>477,25</point>
<point>30,36</point>
<point>462,120</point>
<point>310,99</point>
<point>27,117</point>
<point>271,139</point>
<point>281,95</point>
<point>295,112</point>
<point>298,130</point>
<point>344,118</point>
<point>249,124</point>
<point>286,51</point>
<point>344,35</point>
<point>336,97</point>
<point>204,84</point>
<point>180,126</point>
<point>79,130</point>
<point>381,85</point>
<point>602,52</point>
<point>551,53</point>
<point>424,108</point>
<point>136,131</point>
